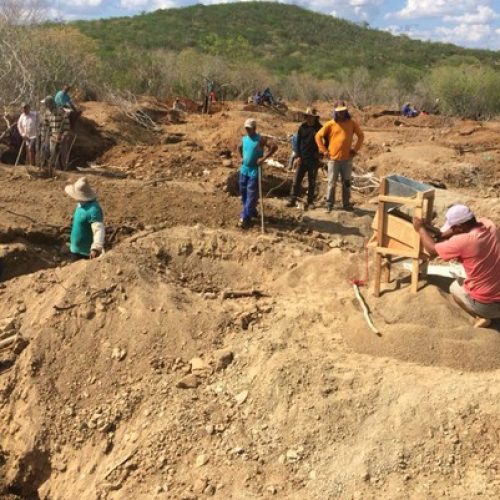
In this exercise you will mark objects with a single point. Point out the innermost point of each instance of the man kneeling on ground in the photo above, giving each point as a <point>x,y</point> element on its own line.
<point>476,244</point>
<point>87,231</point>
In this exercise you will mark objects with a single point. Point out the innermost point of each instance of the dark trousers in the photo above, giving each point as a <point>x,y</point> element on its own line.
<point>73,257</point>
<point>310,167</point>
<point>249,190</point>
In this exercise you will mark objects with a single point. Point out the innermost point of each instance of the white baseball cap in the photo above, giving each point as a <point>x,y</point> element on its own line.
<point>457,214</point>
<point>250,123</point>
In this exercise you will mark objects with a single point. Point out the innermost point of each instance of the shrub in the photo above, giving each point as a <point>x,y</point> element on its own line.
<point>466,91</point>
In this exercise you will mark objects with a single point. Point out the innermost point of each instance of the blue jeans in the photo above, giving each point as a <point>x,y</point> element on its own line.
<point>249,190</point>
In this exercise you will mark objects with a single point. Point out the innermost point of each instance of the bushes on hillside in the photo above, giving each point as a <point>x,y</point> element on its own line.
<point>467,91</point>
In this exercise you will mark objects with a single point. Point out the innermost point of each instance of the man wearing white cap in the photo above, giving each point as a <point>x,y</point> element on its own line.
<point>476,244</point>
<point>87,230</point>
<point>252,154</point>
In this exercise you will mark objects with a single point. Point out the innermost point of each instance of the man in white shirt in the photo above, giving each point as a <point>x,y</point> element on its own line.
<point>28,128</point>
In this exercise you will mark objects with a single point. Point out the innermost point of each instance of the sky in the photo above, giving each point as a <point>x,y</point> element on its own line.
<point>469,23</point>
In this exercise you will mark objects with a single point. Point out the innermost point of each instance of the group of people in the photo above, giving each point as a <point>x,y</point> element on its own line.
<point>313,142</point>
<point>46,136</point>
<point>475,243</point>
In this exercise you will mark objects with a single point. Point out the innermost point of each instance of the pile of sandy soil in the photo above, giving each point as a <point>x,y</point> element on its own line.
<point>141,380</point>
<point>194,360</point>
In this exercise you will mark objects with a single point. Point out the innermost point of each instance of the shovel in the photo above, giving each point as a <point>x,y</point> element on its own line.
<point>23,144</point>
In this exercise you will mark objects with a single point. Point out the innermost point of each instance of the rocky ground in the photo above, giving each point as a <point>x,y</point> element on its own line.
<point>147,374</point>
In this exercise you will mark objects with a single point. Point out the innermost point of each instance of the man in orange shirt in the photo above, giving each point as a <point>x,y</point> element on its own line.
<point>339,133</point>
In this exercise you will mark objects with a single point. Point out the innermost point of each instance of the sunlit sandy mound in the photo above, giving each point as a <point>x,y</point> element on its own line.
<point>426,328</point>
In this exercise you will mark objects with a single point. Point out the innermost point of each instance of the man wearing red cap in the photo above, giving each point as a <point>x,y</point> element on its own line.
<point>476,244</point>
<point>339,133</point>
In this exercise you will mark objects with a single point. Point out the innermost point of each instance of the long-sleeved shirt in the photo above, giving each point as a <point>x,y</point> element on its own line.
<point>340,138</point>
<point>306,144</point>
<point>56,122</point>
<point>87,231</point>
<point>28,125</point>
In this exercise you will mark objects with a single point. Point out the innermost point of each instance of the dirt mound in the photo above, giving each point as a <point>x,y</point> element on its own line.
<point>196,360</point>
<point>429,329</point>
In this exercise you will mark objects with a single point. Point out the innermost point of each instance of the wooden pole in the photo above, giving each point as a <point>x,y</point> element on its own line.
<point>261,201</point>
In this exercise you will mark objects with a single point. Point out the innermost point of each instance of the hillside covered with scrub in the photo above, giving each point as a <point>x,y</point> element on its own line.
<point>283,38</point>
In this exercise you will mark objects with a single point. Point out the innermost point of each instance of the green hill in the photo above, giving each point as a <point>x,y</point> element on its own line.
<point>283,38</point>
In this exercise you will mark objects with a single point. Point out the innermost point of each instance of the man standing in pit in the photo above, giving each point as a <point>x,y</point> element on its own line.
<point>28,128</point>
<point>307,159</point>
<point>339,133</point>
<point>252,153</point>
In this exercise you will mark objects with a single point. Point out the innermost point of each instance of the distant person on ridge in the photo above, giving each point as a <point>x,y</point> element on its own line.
<point>307,158</point>
<point>63,101</point>
<point>476,244</point>
<point>87,230</point>
<point>252,153</point>
<point>340,133</point>
<point>409,111</point>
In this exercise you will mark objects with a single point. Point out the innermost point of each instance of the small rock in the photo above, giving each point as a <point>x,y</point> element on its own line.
<point>198,365</point>
<point>223,359</point>
<point>188,382</point>
<point>201,460</point>
<point>292,456</point>
<point>209,490</point>
<point>272,490</point>
<point>210,429</point>
<point>199,485</point>
<point>118,354</point>
<point>241,397</point>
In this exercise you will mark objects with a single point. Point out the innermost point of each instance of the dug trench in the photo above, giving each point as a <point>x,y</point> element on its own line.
<point>190,355</point>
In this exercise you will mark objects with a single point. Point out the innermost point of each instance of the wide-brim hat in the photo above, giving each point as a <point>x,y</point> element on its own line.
<point>340,106</point>
<point>310,112</point>
<point>81,190</point>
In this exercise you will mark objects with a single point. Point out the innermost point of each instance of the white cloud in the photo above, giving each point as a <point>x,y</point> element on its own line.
<point>418,9</point>
<point>147,4</point>
<point>483,15</point>
<point>349,9</point>
<point>464,33</point>
<point>86,3</point>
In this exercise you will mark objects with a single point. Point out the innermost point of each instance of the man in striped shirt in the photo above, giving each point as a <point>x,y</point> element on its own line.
<point>56,129</point>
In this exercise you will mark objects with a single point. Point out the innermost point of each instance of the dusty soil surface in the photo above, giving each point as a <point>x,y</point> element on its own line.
<point>146,374</point>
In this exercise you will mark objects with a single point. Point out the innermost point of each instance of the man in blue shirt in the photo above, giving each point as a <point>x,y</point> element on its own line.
<point>87,230</point>
<point>63,99</point>
<point>252,154</point>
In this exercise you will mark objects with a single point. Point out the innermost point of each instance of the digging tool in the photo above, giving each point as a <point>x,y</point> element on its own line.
<point>261,201</point>
<point>23,144</point>
<point>69,152</point>
<point>366,312</point>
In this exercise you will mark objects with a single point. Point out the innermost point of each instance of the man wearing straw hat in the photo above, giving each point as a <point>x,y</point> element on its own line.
<point>87,230</point>
<point>307,158</point>
<point>339,133</point>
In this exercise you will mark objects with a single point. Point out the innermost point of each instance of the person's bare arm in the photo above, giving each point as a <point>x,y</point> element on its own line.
<point>271,149</point>
<point>360,137</point>
<point>427,240</point>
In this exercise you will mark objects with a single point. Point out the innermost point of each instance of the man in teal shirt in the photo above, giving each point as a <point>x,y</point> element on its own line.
<point>252,156</point>
<point>87,230</point>
<point>63,99</point>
